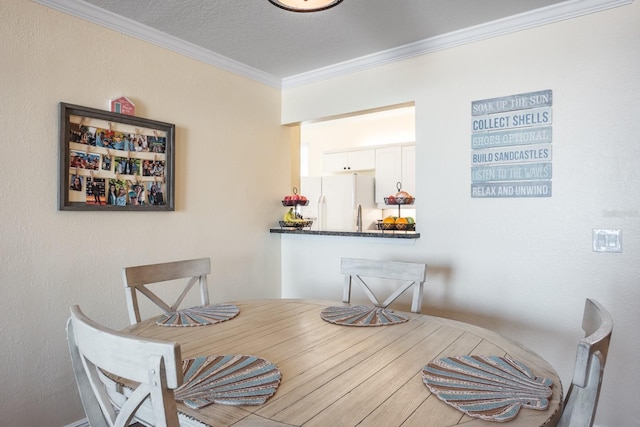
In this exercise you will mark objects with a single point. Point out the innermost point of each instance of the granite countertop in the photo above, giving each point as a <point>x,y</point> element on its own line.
<point>365,233</point>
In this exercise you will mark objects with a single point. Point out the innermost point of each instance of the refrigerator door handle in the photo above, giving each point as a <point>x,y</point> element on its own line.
<point>322,210</point>
<point>320,213</point>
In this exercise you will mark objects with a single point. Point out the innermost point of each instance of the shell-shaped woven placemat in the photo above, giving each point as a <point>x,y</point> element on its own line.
<point>360,315</point>
<point>491,388</point>
<point>199,316</point>
<point>228,380</point>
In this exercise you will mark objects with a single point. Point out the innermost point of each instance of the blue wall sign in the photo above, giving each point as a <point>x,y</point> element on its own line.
<point>511,140</point>
<point>512,120</point>
<point>523,101</point>
<point>521,154</point>
<point>521,172</point>
<point>512,189</point>
<point>524,136</point>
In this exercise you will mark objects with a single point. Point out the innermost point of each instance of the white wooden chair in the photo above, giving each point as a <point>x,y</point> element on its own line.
<point>137,278</point>
<point>413,273</point>
<point>582,397</point>
<point>156,365</point>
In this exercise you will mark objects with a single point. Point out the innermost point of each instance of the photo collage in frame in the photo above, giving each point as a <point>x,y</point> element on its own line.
<point>114,161</point>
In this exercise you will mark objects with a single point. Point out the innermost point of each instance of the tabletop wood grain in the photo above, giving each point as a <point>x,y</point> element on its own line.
<point>338,376</point>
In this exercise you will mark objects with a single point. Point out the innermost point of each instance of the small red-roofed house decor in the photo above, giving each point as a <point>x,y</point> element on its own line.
<point>122,105</point>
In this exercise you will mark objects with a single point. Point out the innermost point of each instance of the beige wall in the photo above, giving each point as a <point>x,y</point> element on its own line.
<point>520,266</point>
<point>232,163</point>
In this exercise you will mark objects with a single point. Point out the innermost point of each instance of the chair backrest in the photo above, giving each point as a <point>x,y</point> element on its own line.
<point>582,397</point>
<point>137,278</point>
<point>413,273</point>
<point>156,365</point>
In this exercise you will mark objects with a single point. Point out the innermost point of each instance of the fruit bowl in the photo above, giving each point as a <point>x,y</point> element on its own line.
<point>386,225</point>
<point>393,226</point>
<point>295,224</point>
<point>295,202</point>
<point>399,200</point>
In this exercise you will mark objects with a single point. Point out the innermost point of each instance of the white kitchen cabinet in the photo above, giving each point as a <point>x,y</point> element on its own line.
<point>388,171</point>
<point>409,169</point>
<point>349,161</point>
<point>395,164</point>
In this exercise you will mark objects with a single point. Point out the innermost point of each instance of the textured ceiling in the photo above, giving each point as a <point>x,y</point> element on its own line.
<point>258,40</point>
<point>282,43</point>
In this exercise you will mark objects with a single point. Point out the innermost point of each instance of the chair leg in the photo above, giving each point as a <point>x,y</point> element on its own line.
<point>204,290</point>
<point>89,401</point>
<point>346,293</point>
<point>416,304</point>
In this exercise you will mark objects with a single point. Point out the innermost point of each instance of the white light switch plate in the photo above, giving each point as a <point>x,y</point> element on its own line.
<point>607,240</point>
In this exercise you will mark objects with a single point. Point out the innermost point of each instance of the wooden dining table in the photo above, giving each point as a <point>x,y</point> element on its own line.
<point>335,375</point>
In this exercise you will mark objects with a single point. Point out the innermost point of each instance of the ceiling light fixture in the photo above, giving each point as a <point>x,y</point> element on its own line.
<point>305,5</point>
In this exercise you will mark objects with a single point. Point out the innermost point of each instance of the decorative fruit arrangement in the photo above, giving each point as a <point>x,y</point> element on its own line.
<point>294,199</point>
<point>292,218</point>
<point>397,223</point>
<point>400,198</point>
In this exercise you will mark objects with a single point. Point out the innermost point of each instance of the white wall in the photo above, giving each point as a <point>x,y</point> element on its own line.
<point>232,168</point>
<point>520,266</point>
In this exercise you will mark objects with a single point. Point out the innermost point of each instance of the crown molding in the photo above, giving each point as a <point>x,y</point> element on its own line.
<point>94,14</point>
<point>543,16</point>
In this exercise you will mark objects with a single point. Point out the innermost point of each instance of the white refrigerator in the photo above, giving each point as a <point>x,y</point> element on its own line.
<point>334,200</point>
